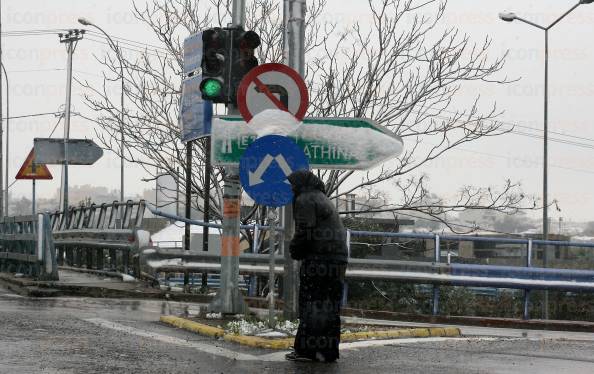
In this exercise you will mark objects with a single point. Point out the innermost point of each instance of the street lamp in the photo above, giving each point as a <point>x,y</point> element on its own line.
<point>86,22</point>
<point>509,17</point>
<point>7,139</point>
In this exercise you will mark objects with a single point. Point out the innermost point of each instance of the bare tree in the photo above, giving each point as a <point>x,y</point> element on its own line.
<point>403,70</point>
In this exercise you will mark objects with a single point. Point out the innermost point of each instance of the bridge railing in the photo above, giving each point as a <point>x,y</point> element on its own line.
<point>434,271</point>
<point>106,236</point>
<point>26,247</point>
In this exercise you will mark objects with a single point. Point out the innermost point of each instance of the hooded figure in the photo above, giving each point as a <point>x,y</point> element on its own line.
<point>320,243</point>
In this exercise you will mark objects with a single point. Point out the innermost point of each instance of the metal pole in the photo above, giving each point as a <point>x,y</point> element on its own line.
<point>294,53</point>
<point>71,39</point>
<point>253,278</point>
<point>7,140</point>
<point>437,255</point>
<point>205,229</point>
<point>238,12</point>
<point>527,292</point>
<point>545,210</point>
<point>177,192</point>
<point>33,197</point>
<point>272,215</point>
<point>345,291</point>
<point>188,203</point>
<point>2,213</point>
<point>229,299</point>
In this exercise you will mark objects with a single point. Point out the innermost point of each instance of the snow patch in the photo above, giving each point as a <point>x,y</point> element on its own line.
<point>128,278</point>
<point>274,122</point>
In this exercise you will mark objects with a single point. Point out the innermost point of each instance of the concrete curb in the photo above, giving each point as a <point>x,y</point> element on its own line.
<point>257,342</point>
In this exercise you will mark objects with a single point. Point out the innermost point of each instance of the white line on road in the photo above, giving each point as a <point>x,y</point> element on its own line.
<point>11,295</point>
<point>204,347</point>
<point>276,356</point>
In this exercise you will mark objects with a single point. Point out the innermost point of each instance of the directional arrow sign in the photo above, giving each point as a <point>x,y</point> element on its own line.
<point>265,166</point>
<point>328,143</point>
<point>80,151</point>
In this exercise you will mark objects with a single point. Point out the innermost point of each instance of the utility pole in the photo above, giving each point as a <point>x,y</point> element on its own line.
<point>71,39</point>
<point>2,213</point>
<point>294,56</point>
<point>7,140</point>
<point>229,300</point>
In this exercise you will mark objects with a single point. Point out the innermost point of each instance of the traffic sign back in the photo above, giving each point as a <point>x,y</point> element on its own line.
<point>265,166</point>
<point>26,171</point>
<point>272,86</point>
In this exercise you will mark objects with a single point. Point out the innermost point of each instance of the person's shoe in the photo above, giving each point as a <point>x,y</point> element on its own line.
<point>293,356</point>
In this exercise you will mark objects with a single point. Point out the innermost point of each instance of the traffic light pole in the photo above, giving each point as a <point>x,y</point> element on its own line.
<point>294,56</point>
<point>229,299</point>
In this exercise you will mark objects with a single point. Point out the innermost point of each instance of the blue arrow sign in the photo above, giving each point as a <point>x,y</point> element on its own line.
<point>265,166</point>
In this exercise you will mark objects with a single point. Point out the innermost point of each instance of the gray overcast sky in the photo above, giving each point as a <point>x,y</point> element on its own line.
<point>487,162</point>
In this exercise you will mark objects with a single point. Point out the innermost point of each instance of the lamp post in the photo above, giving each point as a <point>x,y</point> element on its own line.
<point>510,17</point>
<point>7,140</point>
<point>86,22</point>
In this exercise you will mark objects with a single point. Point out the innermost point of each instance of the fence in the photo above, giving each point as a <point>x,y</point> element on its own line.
<point>27,247</point>
<point>84,234</point>
<point>436,271</point>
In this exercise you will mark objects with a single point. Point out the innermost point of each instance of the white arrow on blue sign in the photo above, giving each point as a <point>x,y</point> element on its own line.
<point>265,166</point>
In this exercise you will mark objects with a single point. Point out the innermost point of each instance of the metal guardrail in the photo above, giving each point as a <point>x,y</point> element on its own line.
<point>435,272</point>
<point>84,234</point>
<point>26,247</point>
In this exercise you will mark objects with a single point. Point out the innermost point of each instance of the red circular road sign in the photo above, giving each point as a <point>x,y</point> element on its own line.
<point>272,86</point>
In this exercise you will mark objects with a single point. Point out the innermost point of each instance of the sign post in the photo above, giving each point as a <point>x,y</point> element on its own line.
<point>263,171</point>
<point>31,170</point>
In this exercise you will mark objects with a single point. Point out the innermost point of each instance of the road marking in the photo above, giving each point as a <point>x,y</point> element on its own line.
<point>271,357</point>
<point>204,347</point>
<point>11,295</point>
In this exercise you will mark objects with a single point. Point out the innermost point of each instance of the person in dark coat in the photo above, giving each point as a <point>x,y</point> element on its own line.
<point>320,244</point>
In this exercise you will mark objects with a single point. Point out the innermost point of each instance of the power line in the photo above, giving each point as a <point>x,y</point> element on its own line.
<point>534,136</point>
<point>139,51</point>
<point>33,115</point>
<point>511,124</point>
<point>129,41</point>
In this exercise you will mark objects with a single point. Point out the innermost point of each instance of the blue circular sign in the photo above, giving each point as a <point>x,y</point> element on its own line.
<point>265,166</point>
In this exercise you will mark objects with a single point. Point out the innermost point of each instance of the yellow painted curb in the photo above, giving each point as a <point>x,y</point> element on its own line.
<point>196,327</point>
<point>257,342</point>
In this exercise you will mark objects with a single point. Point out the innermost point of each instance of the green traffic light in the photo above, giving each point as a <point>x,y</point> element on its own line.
<point>212,88</point>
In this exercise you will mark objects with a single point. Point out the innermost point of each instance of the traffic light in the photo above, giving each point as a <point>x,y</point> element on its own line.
<point>214,65</point>
<point>227,56</point>
<point>243,57</point>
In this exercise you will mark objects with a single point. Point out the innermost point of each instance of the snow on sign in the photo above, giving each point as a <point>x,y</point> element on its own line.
<point>328,143</point>
<point>26,171</point>
<point>265,166</point>
<point>272,86</point>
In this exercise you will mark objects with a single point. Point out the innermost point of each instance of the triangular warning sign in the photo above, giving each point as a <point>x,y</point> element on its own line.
<point>26,171</point>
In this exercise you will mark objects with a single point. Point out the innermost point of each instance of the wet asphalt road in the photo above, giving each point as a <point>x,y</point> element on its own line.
<point>78,335</point>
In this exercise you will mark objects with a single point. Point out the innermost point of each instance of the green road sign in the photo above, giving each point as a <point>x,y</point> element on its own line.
<point>329,143</point>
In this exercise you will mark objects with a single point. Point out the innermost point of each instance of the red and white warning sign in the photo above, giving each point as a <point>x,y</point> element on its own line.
<point>26,171</point>
<point>272,86</point>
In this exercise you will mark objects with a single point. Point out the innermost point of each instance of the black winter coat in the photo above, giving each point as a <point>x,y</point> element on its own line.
<point>319,233</point>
